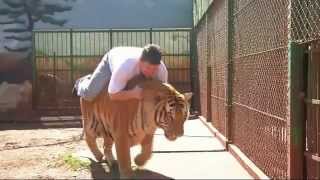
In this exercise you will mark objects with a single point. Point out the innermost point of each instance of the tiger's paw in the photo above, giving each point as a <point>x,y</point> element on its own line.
<point>126,174</point>
<point>141,160</point>
<point>109,158</point>
<point>99,157</point>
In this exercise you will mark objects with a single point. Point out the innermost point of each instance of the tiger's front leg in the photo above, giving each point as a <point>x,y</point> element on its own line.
<point>146,150</point>
<point>123,149</point>
<point>108,142</point>
<point>123,156</point>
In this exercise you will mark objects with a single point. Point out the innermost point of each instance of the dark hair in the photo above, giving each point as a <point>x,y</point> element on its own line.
<point>152,54</point>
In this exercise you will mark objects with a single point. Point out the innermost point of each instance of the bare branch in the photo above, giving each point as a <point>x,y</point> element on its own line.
<point>22,49</point>
<point>51,20</point>
<point>16,30</point>
<point>27,38</point>
<point>14,4</point>
<point>16,21</point>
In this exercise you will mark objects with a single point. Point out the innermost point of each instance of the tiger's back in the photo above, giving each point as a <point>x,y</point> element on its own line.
<point>103,115</point>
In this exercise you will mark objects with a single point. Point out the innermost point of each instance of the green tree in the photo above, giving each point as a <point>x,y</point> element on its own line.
<point>25,13</point>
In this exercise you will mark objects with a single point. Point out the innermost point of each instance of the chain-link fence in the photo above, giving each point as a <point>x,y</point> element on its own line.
<point>305,20</point>
<point>243,46</point>
<point>260,88</point>
<point>201,42</point>
<point>199,9</point>
<point>259,57</point>
<point>218,60</point>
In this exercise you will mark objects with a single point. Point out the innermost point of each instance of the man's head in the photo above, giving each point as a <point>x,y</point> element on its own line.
<point>150,60</point>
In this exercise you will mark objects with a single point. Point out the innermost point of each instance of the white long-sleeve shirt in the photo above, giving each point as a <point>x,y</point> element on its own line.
<point>124,65</point>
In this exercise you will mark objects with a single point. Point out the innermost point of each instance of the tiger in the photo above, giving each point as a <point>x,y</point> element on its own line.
<point>116,121</point>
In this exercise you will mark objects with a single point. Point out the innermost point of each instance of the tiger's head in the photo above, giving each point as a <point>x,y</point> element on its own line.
<point>171,111</point>
<point>163,103</point>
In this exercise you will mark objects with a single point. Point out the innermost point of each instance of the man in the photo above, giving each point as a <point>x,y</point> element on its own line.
<point>117,67</point>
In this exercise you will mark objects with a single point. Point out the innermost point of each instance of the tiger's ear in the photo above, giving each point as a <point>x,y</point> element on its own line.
<point>188,95</point>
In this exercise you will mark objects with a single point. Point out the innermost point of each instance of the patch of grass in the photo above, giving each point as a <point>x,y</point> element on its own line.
<point>74,162</point>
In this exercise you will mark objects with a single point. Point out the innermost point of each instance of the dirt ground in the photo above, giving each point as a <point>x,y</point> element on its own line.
<point>38,154</point>
<point>33,152</point>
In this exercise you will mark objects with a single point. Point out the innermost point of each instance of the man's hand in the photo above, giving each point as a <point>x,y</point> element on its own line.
<point>137,93</point>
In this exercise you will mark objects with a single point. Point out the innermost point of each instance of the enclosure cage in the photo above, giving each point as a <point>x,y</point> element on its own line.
<point>258,65</point>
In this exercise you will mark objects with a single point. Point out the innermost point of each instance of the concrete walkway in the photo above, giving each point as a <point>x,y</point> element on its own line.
<point>196,155</point>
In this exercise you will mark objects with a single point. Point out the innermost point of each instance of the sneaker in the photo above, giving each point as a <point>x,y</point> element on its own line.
<point>76,84</point>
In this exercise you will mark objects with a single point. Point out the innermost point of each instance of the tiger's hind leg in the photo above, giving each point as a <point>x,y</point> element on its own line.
<point>91,137</point>
<point>90,125</point>
<point>146,150</point>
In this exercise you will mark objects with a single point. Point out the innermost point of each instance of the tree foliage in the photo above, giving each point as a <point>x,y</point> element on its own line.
<point>25,13</point>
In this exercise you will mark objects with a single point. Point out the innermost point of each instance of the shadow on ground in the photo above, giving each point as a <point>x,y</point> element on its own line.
<point>102,171</point>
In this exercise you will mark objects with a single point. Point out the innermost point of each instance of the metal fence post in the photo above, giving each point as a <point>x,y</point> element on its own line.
<point>296,111</point>
<point>71,55</point>
<point>209,87</point>
<point>229,90</point>
<point>34,74</point>
<point>195,102</point>
<point>54,75</point>
<point>151,35</point>
<point>295,122</point>
<point>111,39</point>
<point>209,78</point>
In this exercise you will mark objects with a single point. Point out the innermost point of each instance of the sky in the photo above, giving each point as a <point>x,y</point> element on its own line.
<point>127,14</point>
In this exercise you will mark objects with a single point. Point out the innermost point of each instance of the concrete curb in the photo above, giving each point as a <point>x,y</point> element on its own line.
<point>245,162</point>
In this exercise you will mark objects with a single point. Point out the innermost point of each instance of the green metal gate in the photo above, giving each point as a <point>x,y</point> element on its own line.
<point>62,56</point>
<point>313,113</point>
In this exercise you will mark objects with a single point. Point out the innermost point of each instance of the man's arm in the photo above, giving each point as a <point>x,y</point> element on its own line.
<point>123,95</point>
<point>163,73</point>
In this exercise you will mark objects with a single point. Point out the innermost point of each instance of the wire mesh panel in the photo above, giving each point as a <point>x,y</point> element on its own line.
<point>260,67</point>
<point>199,9</point>
<point>260,83</point>
<point>313,113</point>
<point>202,65</point>
<point>62,56</point>
<point>305,19</point>
<point>217,47</point>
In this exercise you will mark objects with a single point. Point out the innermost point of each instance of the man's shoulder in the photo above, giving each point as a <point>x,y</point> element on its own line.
<point>124,49</point>
<point>127,65</point>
